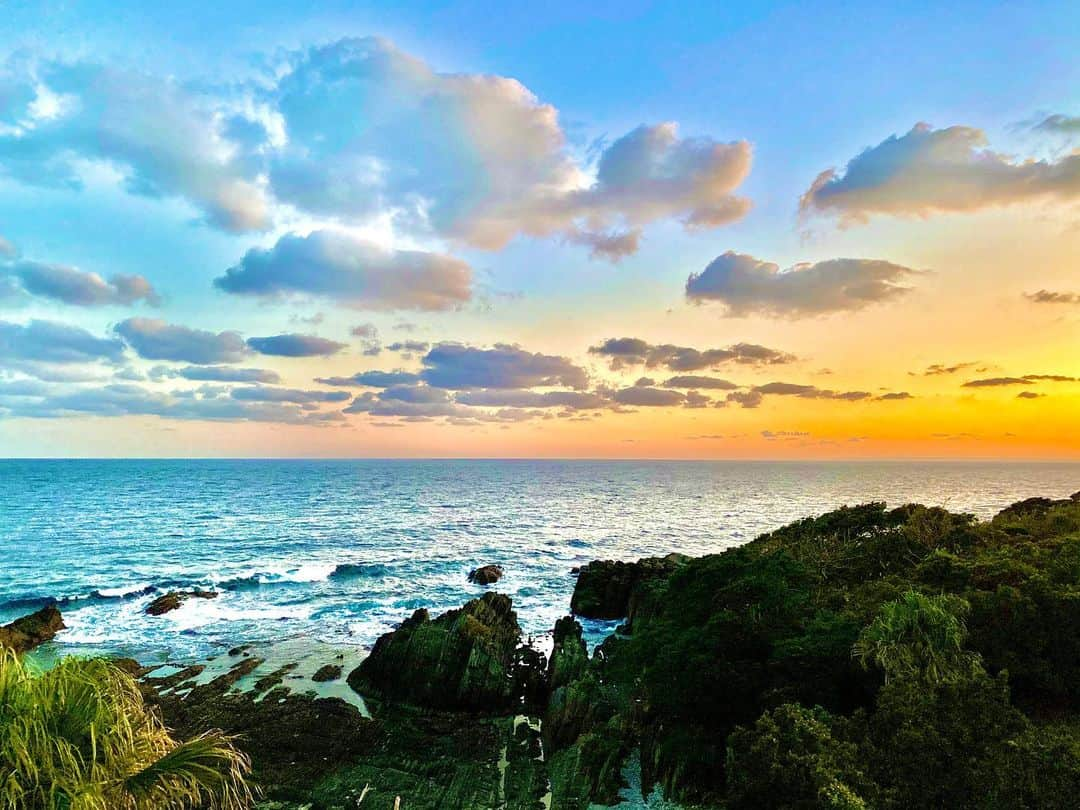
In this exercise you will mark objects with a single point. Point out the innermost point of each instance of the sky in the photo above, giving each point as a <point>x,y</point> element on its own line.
<point>472,229</point>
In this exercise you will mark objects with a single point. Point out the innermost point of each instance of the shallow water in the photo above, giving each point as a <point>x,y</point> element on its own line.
<point>341,551</point>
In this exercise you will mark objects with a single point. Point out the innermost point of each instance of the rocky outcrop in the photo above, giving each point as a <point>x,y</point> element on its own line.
<point>463,660</point>
<point>22,635</point>
<point>327,672</point>
<point>569,655</point>
<point>605,588</point>
<point>174,599</point>
<point>486,574</point>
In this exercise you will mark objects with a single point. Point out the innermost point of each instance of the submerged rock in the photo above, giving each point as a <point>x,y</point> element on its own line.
<point>23,634</point>
<point>486,574</point>
<point>174,599</point>
<point>605,587</point>
<point>463,660</point>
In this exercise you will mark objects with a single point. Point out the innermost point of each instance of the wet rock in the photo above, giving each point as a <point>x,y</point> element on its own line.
<point>604,588</point>
<point>293,740</point>
<point>28,632</point>
<point>174,599</point>
<point>327,672</point>
<point>486,574</point>
<point>463,660</point>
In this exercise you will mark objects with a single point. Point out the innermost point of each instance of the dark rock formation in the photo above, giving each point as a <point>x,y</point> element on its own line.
<point>486,574</point>
<point>327,672</point>
<point>293,740</point>
<point>605,588</point>
<point>174,599</point>
<point>569,655</point>
<point>463,660</point>
<point>28,632</point>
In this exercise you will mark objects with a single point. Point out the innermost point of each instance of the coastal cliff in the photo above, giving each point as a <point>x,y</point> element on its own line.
<point>866,658</point>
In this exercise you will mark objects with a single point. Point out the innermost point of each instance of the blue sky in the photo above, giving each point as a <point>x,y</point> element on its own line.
<point>805,87</point>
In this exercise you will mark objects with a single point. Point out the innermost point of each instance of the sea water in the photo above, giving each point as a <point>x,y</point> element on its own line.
<point>341,551</point>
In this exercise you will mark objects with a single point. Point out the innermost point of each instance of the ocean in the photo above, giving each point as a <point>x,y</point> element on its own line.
<point>342,551</point>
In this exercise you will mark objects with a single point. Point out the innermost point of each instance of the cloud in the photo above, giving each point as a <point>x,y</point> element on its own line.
<point>69,285</point>
<point>264,393</point>
<point>154,339</point>
<point>748,399</point>
<point>772,435</point>
<point>293,345</point>
<point>408,346</point>
<point>894,395</point>
<point>167,139</point>
<point>509,398</point>
<point>644,396</point>
<point>928,171</point>
<point>352,272</point>
<point>478,158</point>
<point>226,374</point>
<point>622,352</point>
<point>1059,124</point>
<point>1027,379</point>
<point>372,379</point>
<point>122,399</point>
<point>456,366</point>
<point>1029,395</point>
<point>695,381</point>
<point>746,285</point>
<point>1051,297</point>
<point>810,392</point>
<point>938,369</point>
<point>50,342</point>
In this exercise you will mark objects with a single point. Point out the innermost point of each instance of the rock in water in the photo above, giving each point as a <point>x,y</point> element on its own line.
<point>174,599</point>
<point>28,632</point>
<point>327,672</point>
<point>486,574</point>
<point>604,587</point>
<point>463,660</point>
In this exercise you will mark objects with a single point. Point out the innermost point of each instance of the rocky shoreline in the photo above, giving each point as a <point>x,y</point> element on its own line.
<point>457,711</point>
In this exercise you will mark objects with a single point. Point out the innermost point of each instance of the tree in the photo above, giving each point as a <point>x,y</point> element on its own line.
<point>80,737</point>
<point>920,637</point>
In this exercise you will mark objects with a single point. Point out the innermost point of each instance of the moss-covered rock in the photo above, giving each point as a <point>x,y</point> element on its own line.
<point>604,588</point>
<point>462,660</point>
<point>25,633</point>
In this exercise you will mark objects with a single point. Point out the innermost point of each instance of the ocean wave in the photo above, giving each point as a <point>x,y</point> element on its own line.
<point>36,602</point>
<point>304,574</point>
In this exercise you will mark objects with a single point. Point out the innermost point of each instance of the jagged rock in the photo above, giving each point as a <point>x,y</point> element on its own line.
<point>605,587</point>
<point>486,574</point>
<point>569,655</point>
<point>174,599</point>
<point>29,631</point>
<point>462,660</point>
<point>327,672</point>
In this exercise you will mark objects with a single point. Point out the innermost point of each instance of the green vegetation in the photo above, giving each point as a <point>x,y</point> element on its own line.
<point>869,657</point>
<point>79,737</point>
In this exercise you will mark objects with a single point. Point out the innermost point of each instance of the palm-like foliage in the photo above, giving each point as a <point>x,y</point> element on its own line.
<point>919,636</point>
<point>80,737</point>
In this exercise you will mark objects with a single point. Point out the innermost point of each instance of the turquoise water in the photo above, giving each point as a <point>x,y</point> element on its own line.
<point>341,551</point>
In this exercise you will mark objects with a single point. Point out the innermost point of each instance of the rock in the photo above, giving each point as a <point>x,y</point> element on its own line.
<point>569,655</point>
<point>174,599</point>
<point>463,660</point>
<point>23,634</point>
<point>604,587</point>
<point>327,672</point>
<point>486,574</point>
